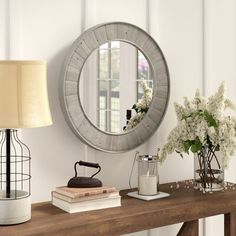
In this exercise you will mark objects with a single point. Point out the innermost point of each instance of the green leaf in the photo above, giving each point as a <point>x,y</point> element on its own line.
<point>209,118</point>
<point>197,146</point>
<point>194,148</point>
<point>187,145</point>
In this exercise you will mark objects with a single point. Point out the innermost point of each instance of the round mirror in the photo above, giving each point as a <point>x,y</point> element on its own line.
<point>114,88</point>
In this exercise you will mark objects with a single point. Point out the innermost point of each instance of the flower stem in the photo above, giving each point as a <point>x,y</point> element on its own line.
<point>207,173</point>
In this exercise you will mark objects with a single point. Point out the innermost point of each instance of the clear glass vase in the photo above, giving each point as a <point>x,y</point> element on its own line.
<point>208,170</point>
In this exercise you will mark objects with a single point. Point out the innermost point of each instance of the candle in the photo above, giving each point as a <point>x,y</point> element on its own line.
<point>147,184</point>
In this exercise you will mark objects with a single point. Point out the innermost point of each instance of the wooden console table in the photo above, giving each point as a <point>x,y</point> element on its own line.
<point>184,205</point>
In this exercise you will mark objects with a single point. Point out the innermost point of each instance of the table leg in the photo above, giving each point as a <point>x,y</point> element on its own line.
<point>189,229</point>
<point>230,224</point>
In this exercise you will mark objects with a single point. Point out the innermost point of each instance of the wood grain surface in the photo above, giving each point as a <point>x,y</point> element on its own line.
<point>184,205</point>
<point>189,229</point>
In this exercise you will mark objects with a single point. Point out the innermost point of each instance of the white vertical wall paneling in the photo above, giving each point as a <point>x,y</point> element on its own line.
<point>147,15</point>
<point>116,167</point>
<point>180,41</point>
<point>83,27</point>
<point>204,81</point>
<point>48,30</point>
<point>10,29</point>
<point>198,43</point>
<point>15,29</point>
<point>90,13</point>
<point>90,16</point>
<point>202,222</point>
<point>220,45</point>
<point>89,21</point>
<point>177,28</point>
<point>132,11</point>
<point>4,29</point>
<point>83,15</point>
<point>220,58</point>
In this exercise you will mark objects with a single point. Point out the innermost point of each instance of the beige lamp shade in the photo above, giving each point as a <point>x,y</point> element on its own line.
<point>23,94</point>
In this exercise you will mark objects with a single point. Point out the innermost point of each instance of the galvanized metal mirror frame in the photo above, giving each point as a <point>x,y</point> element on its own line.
<point>69,87</point>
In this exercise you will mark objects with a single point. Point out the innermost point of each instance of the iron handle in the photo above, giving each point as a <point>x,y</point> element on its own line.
<point>87,164</point>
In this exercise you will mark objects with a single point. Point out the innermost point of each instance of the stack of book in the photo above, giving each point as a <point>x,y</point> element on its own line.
<point>85,199</point>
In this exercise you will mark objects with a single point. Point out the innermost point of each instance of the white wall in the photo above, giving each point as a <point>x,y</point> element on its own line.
<point>220,59</point>
<point>198,40</point>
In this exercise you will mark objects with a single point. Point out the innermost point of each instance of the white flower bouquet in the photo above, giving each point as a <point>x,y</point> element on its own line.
<point>204,130</point>
<point>202,123</point>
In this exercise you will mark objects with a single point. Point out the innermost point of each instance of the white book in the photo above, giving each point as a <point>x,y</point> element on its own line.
<point>86,198</point>
<point>87,205</point>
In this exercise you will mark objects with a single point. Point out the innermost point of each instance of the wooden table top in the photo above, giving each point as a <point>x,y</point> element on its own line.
<point>184,204</point>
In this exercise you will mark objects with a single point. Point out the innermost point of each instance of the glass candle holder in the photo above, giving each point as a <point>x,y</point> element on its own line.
<point>148,179</point>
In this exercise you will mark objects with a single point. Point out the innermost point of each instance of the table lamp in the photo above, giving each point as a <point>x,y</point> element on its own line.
<point>23,104</point>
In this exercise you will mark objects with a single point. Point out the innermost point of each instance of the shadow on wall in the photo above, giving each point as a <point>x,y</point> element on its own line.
<point>55,66</point>
<point>55,149</point>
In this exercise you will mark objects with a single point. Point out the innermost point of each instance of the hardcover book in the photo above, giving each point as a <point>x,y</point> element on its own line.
<point>87,205</point>
<point>84,192</point>
<point>86,198</point>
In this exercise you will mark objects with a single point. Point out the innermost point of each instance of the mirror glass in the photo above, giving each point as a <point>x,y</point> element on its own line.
<point>116,87</point>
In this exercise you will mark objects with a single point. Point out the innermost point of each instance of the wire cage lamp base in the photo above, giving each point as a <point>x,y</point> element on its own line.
<point>15,169</point>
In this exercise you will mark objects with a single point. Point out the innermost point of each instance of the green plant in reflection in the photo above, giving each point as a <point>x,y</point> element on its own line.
<point>141,107</point>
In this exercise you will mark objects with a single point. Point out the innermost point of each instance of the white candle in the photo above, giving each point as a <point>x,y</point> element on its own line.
<point>147,184</point>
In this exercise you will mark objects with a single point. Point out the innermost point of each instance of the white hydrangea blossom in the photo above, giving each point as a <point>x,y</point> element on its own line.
<point>202,122</point>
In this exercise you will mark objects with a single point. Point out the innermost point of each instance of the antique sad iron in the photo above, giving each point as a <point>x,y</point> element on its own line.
<point>85,182</point>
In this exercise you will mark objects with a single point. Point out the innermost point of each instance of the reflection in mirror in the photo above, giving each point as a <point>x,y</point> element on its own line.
<point>116,87</point>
